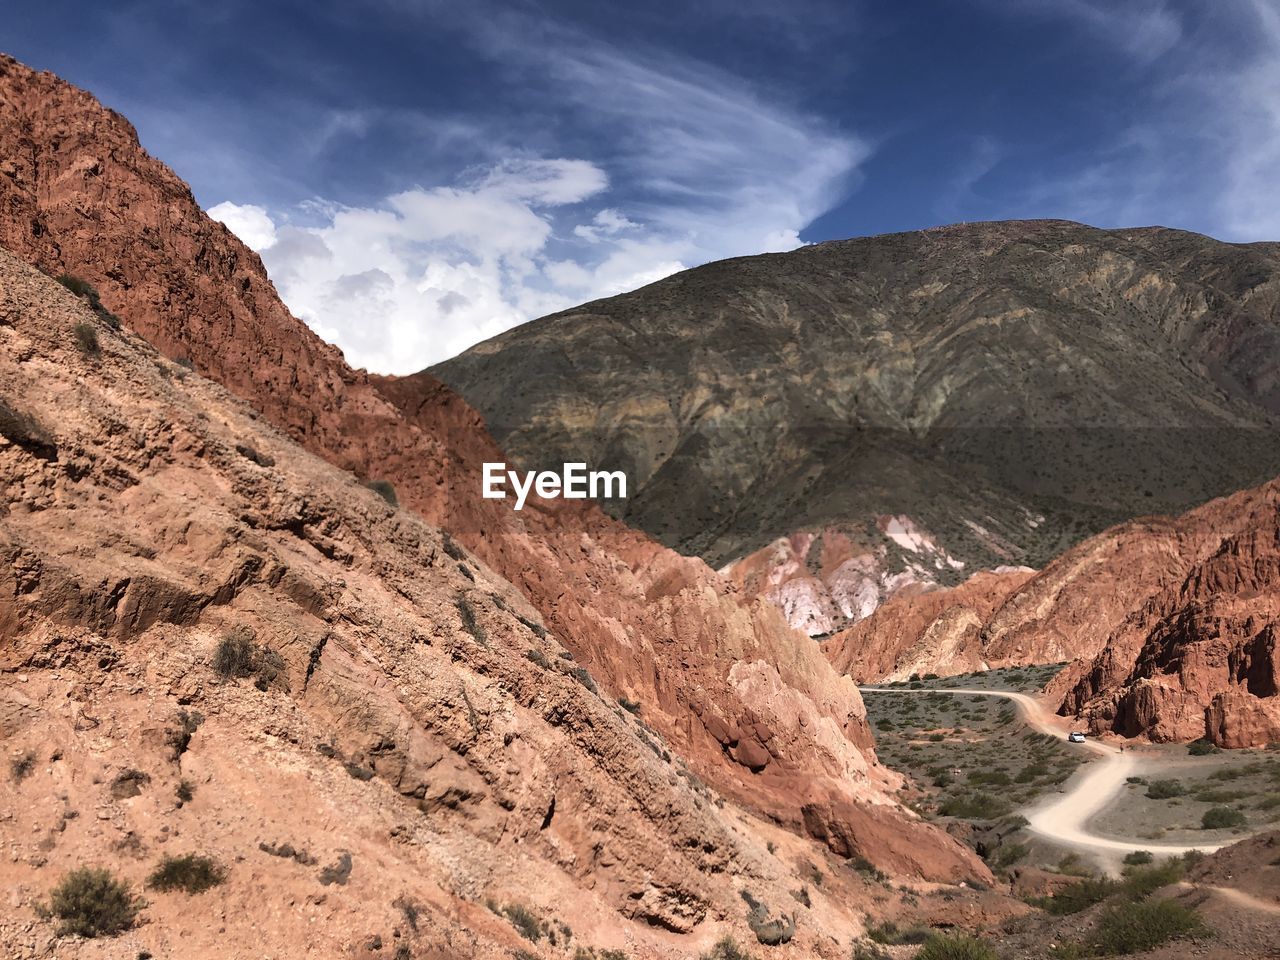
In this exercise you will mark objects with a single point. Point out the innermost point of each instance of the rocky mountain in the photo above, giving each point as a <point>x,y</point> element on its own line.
<point>441,633</point>
<point>937,402</point>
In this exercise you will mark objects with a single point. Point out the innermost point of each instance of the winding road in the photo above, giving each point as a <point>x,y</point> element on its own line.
<point>1064,818</point>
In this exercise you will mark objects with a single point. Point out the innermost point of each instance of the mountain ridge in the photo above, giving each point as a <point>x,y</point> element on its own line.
<point>1008,388</point>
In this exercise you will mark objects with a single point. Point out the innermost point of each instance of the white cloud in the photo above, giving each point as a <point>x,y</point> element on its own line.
<point>1245,118</point>
<point>1145,29</point>
<point>698,167</point>
<point>250,223</point>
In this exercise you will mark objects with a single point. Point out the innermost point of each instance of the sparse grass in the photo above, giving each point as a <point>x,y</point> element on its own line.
<point>179,737</point>
<point>524,920</point>
<point>190,873</point>
<point>236,655</point>
<point>956,947</point>
<point>90,902</point>
<point>25,430</point>
<point>255,455</point>
<point>890,934</point>
<point>87,291</point>
<point>584,677</point>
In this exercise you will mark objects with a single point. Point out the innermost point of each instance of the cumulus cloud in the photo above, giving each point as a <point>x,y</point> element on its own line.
<point>250,223</point>
<point>697,166</point>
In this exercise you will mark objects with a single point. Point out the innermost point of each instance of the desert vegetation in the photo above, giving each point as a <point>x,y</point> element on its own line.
<point>91,902</point>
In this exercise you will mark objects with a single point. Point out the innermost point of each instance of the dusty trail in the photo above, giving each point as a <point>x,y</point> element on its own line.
<point>1064,818</point>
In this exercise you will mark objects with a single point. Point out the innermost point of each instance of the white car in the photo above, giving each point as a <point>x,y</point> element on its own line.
<point>1075,736</point>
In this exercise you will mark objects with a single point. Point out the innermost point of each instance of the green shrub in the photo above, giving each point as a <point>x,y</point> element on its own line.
<point>1165,789</point>
<point>1201,748</point>
<point>385,490</point>
<point>524,920</point>
<point>974,806</point>
<point>185,791</point>
<point>26,432</point>
<point>1079,896</point>
<point>470,623</point>
<point>1137,858</point>
<point>1139,926</point>
<point>630,706</point>
<point>538,657</point>
<point>959,947</point>
<point>90,902</point>
<point>189,873</point>
<point>22,767</point>
<point>726,948</point>
<point>236,655</point>
<point>1219,818</point>
<point>1008,855</point>
<point>86,335</point>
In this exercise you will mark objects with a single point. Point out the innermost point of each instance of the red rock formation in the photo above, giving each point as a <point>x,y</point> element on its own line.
<point>78,194</point>
<point>935,632</point>
<point>1199,657</point>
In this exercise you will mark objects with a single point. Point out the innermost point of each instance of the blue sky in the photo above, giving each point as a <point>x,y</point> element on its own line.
<point>421,175</point>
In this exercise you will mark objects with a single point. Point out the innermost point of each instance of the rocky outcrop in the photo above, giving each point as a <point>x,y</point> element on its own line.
<point>78,195</point>
<point>824,581</point>
<point>938,632</point>
<point>1199,657</point>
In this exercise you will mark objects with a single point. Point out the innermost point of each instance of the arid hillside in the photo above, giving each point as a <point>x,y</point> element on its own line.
<point>215,643</point>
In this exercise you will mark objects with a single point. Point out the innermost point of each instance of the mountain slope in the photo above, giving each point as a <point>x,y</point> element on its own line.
<point>1007,388</point>
<point>752,708</point>
<point>418,719</point>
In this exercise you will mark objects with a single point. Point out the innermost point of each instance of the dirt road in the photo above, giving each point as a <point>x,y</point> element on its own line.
<point>1064,818</point>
